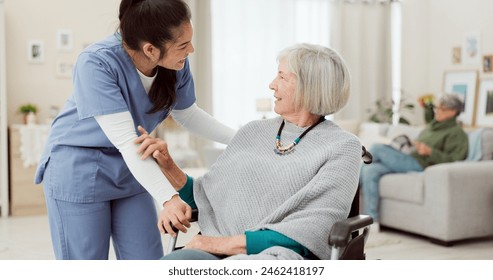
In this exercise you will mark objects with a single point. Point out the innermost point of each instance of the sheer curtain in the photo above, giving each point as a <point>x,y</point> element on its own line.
<point>247,35</point>
<point>361,31</point>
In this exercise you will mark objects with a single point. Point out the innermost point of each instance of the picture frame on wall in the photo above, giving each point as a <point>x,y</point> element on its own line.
<point>463,83</point>
<point>471,52</point>
<point>484,116</point>
<point>456,55</point>
<point>35,51</point>
<point>64,69</point>
<point>65,40</point>
<point>487,60</point>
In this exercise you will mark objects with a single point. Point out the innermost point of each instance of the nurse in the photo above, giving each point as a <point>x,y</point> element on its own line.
<point>97,187</point>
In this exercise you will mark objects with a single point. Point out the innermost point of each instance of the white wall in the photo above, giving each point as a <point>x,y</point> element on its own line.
<point>89,20</point>
<point>449,21</point>
<point>430,29</point>
<point>415,53</point>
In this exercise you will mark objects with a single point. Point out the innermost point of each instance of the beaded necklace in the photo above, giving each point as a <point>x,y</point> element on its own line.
<point>280,149</point>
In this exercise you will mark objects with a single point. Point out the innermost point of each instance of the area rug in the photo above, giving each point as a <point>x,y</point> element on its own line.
<point>377,239</point>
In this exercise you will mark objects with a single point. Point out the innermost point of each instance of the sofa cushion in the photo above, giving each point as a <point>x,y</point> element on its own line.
<point>480,144</point>
<point>411,131</point>
<point>403,186</point>
<point>487,144</point>
<point>371,133</point>
<point>350,125</point>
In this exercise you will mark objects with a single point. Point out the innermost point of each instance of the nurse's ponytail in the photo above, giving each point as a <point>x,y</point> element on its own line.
<point>153,21</point>
<point>125,5</point>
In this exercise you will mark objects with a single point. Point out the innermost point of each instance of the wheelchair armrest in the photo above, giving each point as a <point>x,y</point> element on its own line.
<point>195,215</point>
<point>366,156</point>
<point>340,234</point>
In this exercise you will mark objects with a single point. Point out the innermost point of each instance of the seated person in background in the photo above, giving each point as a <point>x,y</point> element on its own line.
<point>443,140</point>
<point>266,200</point>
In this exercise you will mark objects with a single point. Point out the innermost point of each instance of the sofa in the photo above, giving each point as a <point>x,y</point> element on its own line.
<point>447,202</point>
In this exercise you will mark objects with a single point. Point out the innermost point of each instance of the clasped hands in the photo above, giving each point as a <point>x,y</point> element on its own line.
<point>422,148</point>
<point>175,211</point>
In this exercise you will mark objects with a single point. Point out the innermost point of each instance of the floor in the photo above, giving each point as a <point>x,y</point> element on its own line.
<point>27,238</point>
<point>396,245</point>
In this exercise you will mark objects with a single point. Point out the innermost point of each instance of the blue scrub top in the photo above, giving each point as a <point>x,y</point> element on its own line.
<point>83,164</point>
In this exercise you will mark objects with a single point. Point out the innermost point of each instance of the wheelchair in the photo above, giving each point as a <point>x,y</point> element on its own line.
<point>347,238</point>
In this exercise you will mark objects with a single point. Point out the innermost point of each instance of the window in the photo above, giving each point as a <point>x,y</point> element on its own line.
<point>247,35</point>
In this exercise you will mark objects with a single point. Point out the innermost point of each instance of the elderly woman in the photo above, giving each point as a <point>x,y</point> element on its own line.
<point>443,140</point>
<point>281,183</point>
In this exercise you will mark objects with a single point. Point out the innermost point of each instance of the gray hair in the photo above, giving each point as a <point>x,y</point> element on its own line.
<point>452,101</point>
<point>323,80</point>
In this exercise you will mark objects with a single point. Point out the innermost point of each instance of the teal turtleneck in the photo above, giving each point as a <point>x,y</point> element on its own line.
<point>448,141</point>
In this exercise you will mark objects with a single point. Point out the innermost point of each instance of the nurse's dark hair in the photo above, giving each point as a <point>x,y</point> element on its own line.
<point>154,21</point>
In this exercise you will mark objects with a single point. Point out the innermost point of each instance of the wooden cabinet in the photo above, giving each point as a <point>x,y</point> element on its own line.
<point>26,198</point>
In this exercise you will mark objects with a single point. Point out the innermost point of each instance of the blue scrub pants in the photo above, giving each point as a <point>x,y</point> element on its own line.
<point>385,160</point>
<point>82,231</point>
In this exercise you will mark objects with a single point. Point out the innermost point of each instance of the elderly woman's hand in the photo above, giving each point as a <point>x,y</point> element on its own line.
<point>153,146</point>
<point>224,245</point>
<point>175,212</point>
<point>422,148</point>
<point>158,149</point>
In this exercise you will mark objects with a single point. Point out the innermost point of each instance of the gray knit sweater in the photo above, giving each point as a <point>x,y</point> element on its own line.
<point>300,194</point>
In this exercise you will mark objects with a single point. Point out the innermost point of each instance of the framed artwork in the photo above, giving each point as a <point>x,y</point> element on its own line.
<point>456,55</point>
<point>463,83</point>
<point>64,40</point>
<point>487,60</point>
<point>484,116</point>
<point>470,49</point>
<point>64,69</point>
<point>35,51</point>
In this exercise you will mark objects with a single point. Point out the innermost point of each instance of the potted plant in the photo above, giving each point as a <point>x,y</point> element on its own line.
<point>426,102</point>
<point>29,112</point>
<point>382,113</point>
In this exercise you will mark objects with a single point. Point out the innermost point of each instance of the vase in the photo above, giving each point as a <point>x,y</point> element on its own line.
<point>429,113</point>
<point>30,118</point>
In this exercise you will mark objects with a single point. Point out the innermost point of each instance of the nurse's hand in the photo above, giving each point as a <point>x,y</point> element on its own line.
<point>177,213</point>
